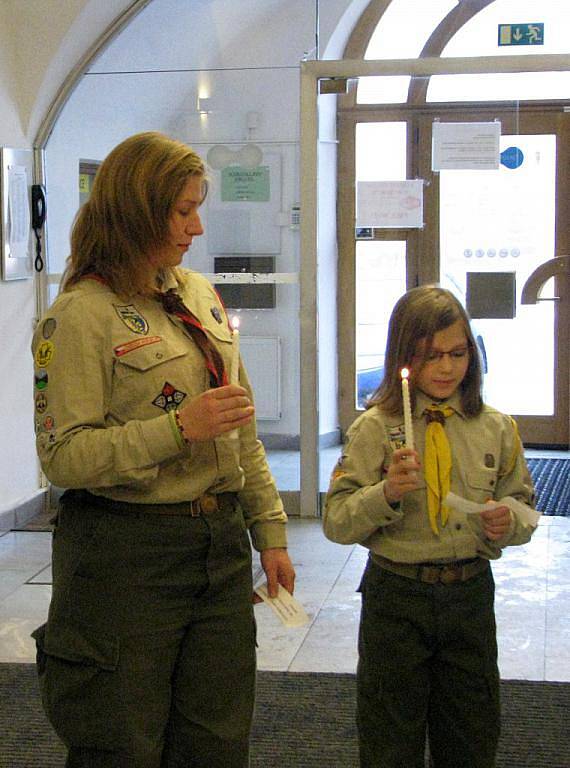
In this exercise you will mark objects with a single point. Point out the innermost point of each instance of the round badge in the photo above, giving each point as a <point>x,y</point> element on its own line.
<point>48,327</point>
<point>49,423</point>
<point>41,402</point>
<point>41,379</point>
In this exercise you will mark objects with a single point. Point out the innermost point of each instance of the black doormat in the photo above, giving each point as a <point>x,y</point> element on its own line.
<point>551,478</point>
<point>303,720</point>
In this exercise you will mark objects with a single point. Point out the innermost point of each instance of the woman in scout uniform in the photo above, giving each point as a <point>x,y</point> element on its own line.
<point>147,658</point>
<point>427,644</point>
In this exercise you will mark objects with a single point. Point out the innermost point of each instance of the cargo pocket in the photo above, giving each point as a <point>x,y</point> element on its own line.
<point>80,685</point>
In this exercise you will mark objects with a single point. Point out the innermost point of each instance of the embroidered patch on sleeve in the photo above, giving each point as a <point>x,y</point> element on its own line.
<point>132,318</point>
<point>44,354</point>
<point>129,346</point>
<point>169,398</point>
<point>41,402</point>
<point>48,423</point>
<point>40,380</point>
<point>397,436</point>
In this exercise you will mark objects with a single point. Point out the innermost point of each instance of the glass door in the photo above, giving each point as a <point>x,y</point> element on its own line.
<point>376,264</point>
<point>510,221</point>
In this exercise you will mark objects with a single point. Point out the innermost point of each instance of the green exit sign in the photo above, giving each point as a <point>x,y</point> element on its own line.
<point>521,34</point>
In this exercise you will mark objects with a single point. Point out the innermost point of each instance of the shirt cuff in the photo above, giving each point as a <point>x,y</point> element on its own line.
<point>159,438</point>
<point>268,535</point>
<point>378,508</point>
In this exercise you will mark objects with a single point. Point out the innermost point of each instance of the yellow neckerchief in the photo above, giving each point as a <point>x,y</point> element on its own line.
<point>437,464</point>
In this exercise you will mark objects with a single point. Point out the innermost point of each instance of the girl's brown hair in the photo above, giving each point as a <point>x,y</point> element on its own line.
<point>418,315</point>
<point>126,217</point>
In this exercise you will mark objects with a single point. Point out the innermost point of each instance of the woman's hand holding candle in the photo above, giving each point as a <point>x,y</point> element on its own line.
<point>234,369</point>
<point>234,366</point>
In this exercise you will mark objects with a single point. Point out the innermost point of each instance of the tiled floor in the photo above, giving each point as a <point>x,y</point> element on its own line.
<point>533,591</point>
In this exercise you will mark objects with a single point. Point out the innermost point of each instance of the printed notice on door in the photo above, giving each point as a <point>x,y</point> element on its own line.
<point>465,146</point>
<point>390,203</point>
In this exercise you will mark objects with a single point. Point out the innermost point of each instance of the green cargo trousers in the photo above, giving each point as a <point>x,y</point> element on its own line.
<point>147,659</point>
<point>427,663</point>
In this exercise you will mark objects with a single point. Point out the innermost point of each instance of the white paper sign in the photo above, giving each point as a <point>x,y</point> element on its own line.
<point>289,610</point>
<point>18,211</point>
<point>465,146</point>
<point>390,203</point>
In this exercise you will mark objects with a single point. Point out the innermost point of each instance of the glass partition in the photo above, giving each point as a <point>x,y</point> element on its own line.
<point>212,91</point>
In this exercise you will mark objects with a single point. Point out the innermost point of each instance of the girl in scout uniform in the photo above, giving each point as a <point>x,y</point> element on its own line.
<point>427,643</point>
<point>147,658</point>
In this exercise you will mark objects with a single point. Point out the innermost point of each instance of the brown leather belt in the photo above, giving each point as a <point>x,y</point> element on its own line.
<point>204,505</point>
<point>434,573</point>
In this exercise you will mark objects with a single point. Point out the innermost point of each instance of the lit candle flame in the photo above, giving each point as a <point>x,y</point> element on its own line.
<point>235,323</point>
<point>404,373</point>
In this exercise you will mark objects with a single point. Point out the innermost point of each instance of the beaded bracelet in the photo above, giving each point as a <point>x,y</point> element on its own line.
<point>177,428</point>
<point>180,427</point>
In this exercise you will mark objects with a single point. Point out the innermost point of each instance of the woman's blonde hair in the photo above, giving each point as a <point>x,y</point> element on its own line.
<point>418,315</point>
<point>126,217</point>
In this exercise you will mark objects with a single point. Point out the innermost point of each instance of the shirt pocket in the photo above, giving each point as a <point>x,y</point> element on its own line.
<point>156,378</point>
<point>148,357</point>
<point>220,332</point>
<point>481,484</point>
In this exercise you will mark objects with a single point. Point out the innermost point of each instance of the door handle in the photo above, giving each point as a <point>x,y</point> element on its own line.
<point>556,267</point>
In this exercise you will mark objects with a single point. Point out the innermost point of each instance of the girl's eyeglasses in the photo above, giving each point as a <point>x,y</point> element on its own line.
<point>435,355</point>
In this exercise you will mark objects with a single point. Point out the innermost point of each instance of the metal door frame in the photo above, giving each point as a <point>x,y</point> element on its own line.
<point>311,73</point>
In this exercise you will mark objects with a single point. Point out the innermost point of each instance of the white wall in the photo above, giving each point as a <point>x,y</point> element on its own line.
<point>40,41</point>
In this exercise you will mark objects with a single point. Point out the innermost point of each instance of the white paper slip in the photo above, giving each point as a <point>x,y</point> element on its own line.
<point>289,610</point>
<point>524,513</point>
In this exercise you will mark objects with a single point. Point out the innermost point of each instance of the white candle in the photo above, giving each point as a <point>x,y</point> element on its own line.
<point>408,429</point>
<point>234,369</point>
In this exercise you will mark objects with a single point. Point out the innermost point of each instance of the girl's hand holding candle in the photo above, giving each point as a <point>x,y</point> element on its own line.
<point>408,428</point>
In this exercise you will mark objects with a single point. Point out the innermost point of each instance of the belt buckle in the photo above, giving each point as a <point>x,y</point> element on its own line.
<point>449,574</point>
<point>429,574</point>
<point>208,503</point>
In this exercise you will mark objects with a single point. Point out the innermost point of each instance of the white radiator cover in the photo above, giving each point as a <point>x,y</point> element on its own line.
<point>261,356</point>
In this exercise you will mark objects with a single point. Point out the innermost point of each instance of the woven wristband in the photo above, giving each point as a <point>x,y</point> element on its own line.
<point>177,428</point>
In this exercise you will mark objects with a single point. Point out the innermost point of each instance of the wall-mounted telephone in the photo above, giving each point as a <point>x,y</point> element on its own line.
<point>38,221</point>
<point>38,206</point>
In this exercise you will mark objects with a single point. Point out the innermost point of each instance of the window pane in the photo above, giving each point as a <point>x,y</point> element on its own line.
<point>503,221</point>
<point>509,86</point>
<point>395,38</point>
<point>479,37</point>
<point>380,281</point>
<point>381,151</point>
<point>383,90</point>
